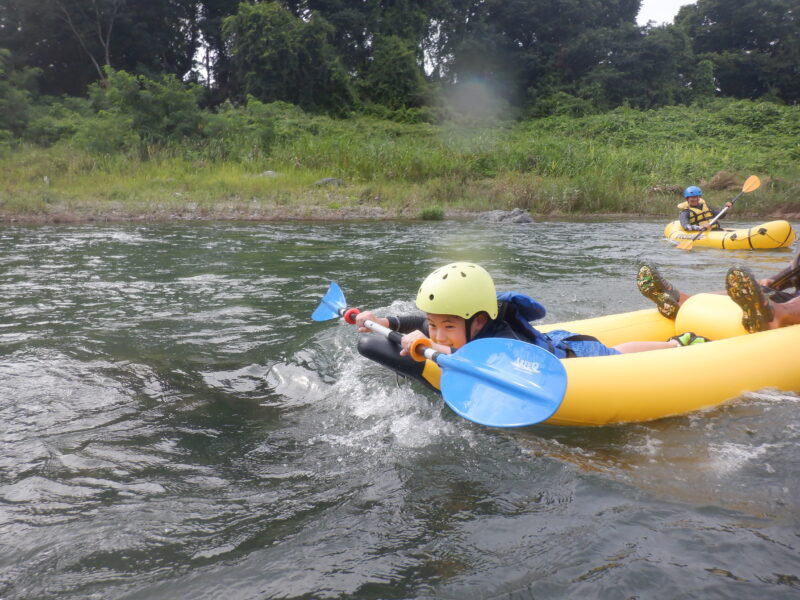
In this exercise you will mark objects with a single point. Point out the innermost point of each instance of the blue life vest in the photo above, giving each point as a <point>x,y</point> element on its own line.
<point>518,310</point>
<point>527,308</point>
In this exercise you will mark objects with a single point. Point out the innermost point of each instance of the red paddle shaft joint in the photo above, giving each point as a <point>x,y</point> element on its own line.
<point>349,316</point>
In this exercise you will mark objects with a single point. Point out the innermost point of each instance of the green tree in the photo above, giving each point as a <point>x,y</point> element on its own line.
<point>357,24</point>
<point>155,37</point>
<point>215,63</point>
<point>353,26</point>
<point>71,41</point>
<point>92,26</point>
<point>37,38</point>
<point>159,110</point>
<point>393,77</point>
<point>703,83</point>
<point>643,68</point>
<point>529,44</point>
<point>16,89</point>
<point>754,45</point>
<point>277,56</point>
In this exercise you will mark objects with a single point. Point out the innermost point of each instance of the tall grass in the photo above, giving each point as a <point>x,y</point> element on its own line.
<point>622,161</point>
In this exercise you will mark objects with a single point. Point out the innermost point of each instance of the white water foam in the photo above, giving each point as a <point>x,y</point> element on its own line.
<point>728,457</point>
<point>381,414</point>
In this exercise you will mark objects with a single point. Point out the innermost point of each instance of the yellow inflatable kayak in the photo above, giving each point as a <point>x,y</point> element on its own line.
<point>651,385</point>
<point>644,386</point>
<point>774,234</point>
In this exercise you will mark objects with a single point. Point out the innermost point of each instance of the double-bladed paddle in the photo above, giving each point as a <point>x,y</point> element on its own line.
<point>750,184</point>
<point>792,273</point>
<point>491,381</point>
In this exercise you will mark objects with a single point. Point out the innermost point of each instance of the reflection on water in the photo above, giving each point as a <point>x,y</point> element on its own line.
<point>173,425</point>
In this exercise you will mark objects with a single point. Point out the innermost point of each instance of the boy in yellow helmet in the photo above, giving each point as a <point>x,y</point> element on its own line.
<point>461,305</point>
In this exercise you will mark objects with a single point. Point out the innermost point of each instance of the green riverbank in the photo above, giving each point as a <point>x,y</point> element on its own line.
<point>315,167</point>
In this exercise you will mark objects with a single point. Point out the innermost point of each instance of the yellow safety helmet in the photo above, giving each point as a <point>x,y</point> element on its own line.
<point>461,288</point>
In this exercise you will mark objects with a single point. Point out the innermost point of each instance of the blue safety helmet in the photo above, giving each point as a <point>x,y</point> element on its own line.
<point>692,191</point>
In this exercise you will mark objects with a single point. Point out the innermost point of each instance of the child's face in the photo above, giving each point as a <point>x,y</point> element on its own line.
<point>447,330</point>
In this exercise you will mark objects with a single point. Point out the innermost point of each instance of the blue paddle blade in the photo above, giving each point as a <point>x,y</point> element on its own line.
<point>331,304</point>
<point>503,383</point>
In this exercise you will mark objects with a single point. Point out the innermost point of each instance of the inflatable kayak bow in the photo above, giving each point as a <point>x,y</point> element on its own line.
<point>494,382</point>
<point>644,386</point>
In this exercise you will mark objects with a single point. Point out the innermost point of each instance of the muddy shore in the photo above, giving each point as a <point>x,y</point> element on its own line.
<point>228,212</point>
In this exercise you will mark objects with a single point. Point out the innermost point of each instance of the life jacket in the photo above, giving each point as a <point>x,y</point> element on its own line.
<point>518,310</point>
<point>699,214</point>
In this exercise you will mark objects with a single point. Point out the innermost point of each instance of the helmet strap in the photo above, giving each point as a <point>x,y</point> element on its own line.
<point>468,327</point>
<point>468,324</point>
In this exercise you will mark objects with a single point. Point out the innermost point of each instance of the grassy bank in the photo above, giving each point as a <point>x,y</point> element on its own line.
<point>621,162</point>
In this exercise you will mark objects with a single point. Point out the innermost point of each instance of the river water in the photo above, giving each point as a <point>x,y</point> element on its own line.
<point>174,425</point>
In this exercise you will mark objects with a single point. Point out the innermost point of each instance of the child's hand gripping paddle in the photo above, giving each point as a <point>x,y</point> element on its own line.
<point>333,306</point>
<point>492,381</point>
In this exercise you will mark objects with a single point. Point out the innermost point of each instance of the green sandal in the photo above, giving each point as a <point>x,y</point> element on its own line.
<point>689,339</point>
<point>743,289</point>
<point>654,287</point>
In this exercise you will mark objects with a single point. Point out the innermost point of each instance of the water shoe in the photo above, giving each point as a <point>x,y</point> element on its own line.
<point>689,339</point>
<point>743,289</point>
<point>654,287</point>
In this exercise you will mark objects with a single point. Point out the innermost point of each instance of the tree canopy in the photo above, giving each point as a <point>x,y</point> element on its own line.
<point>337,56</point>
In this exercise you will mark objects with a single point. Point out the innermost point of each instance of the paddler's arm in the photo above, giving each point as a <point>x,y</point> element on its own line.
<point>724,214</point>
<point>777,277</point>
<point>371,316</point>
<point>768,282</point>
<point>684,219</point>
<point>404,324</point>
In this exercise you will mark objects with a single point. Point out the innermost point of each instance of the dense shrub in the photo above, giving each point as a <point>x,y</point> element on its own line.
<point>53,120</point>
<point>160,110</point>
<point>15,96</point>
<point>107,133</point>
<point>242,134</point>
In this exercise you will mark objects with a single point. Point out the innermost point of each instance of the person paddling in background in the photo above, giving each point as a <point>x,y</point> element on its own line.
<point>767,304</point>
<point>461,304</point>
<point>695,213</point>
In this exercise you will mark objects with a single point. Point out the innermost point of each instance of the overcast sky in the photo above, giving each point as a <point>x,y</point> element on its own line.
<point>660,11</point>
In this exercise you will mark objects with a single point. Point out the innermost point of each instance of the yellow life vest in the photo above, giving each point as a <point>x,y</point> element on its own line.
<point>699,214</point>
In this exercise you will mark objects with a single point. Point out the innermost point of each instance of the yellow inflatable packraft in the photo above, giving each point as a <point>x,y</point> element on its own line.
<point>775,234</point>
<point>644,386</point>
<point>650,385</point>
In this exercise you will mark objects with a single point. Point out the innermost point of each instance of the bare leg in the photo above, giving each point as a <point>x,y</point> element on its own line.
<point>631,347</point>
<point>687,338</point>
<point>786,313</point>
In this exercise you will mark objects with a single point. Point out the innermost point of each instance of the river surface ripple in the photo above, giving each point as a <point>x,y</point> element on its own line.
<point>173,425</point>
